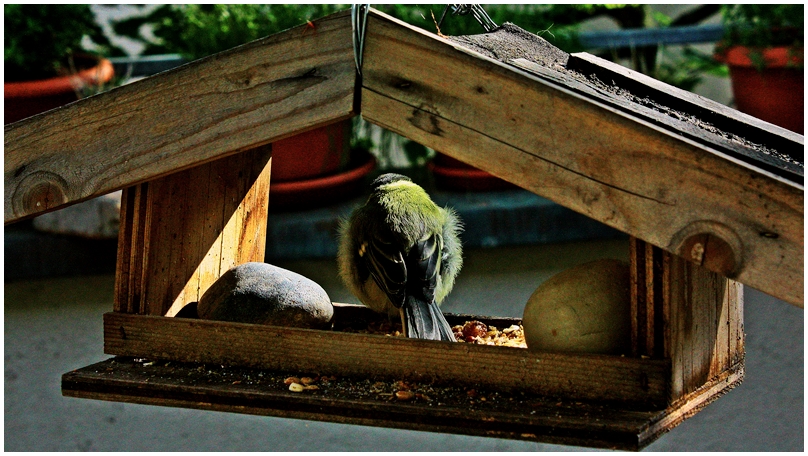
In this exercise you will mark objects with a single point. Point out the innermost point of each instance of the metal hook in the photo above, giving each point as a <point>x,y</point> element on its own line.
<point>359,17</point>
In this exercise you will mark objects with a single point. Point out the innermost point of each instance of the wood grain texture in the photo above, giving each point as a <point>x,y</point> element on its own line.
<point>229,102</point>
<point>705,335</point>
<point>261,392</point>
<point>717,125</point>
<point>182,232</point>
<point>640,382</point>
<point>605,164</point>
<point>694,402</point>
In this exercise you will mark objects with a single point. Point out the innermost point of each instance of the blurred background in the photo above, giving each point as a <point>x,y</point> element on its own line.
<point>59,267</point>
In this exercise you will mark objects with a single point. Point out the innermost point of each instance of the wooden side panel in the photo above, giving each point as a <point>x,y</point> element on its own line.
<point>641,382</point>
<point>233,101</point>
<point>605,164</point>
<point>706,321</point>
<point>685,313</point>
<point>181,232</point>
<point>648,324</point>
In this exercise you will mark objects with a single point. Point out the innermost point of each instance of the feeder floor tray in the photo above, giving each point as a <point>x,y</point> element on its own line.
<point>425,407</point>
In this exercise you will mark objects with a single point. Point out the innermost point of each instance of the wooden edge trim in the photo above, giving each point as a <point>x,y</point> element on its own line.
<point>642,382</point>
<point>694,402</point>
<point>585,425</point>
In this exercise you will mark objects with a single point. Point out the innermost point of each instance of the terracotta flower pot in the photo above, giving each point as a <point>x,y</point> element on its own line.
<point>320,191</point>
<point>319,152</point>
<point>774,94</point>
<point>27,98</point>
<point>453,174</point>
<point>316,168</point>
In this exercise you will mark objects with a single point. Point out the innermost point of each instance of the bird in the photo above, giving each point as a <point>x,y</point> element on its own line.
<point>400,253</point>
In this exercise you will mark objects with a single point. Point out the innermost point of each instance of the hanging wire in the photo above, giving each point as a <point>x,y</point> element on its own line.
<point>477,11</point>
<point>359,18</point>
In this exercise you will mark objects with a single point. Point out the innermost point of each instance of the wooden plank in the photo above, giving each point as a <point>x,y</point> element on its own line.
<point>347,400</point>
<point>605,164</point>
<point>721,354</point>
<point>641,382</point>
<point>637,290</point>
<point>645,103</point>
<point>193,226</point>
<point>737,336</point>
<point>229,102</point>
<point>694,402</point>
<point>712,112</point>
<point>703,312</point>
<point>131,249</point>
<point>647,328</point>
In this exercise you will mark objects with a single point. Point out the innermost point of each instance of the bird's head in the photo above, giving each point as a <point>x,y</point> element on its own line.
<point>386,179</point>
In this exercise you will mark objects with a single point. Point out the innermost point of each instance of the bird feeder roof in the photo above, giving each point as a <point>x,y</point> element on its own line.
<point>679,171</point>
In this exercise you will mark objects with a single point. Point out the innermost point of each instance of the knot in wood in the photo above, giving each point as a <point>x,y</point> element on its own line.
<point>712,245</point>
<point>39,192</point>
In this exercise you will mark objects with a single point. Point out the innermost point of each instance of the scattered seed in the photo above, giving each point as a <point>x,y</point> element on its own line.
<point>290,380</point>
<point>306,380</point>
<point>296,387</point>
<point>311,387</point>
<point>405,395</point>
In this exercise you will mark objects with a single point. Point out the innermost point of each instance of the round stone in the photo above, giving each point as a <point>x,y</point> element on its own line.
<point>584,309</point>
<point>261,293</point>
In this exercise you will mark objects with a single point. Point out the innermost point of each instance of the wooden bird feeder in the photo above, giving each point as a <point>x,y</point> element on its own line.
<point>707,208</point>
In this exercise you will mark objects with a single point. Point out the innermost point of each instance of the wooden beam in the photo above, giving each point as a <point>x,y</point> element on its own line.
<point>640,382</point>
<point>352,400</point>
<point>612,167</point>
<point>229,102</point>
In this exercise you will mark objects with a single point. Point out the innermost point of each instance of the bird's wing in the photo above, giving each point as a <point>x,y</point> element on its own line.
<point>399,275</point>
<point>422,317</point>
<point>385,261</point>
<point>423,262</point>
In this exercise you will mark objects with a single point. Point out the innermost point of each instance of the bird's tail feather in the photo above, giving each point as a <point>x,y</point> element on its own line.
<point>424,320</point>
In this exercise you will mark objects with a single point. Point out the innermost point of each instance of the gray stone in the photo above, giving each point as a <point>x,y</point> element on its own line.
<point>261,293</point>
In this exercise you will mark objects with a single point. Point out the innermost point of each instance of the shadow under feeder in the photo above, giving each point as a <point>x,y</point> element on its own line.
<point>195,204</point>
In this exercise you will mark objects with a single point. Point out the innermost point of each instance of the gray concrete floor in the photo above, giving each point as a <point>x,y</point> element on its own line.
<point>54,325</point>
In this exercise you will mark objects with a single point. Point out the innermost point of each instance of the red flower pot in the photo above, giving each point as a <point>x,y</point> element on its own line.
<point>453,174</point>
<point>27,98</point>
<point>319,152</point>
<point>316,168</point>
<point>774,94</point>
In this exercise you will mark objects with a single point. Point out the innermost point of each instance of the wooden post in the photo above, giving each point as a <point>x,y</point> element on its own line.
<point>179,233</point>
<point>686,313</point>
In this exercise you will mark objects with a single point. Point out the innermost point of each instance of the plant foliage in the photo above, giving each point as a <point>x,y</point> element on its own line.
<point>195,31</point>
<point>39,39</point>
<point>764,25</point>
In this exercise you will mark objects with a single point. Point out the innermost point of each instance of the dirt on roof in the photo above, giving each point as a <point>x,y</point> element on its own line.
<point>509,42</point>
